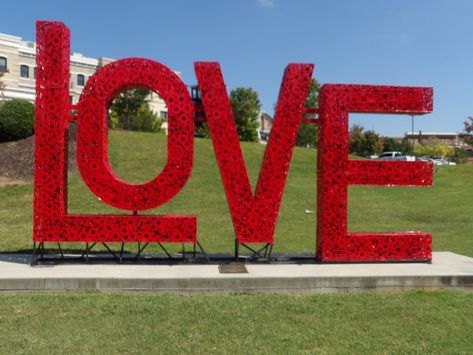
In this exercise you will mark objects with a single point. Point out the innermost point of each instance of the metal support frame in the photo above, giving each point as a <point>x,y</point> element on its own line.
<point>194,251</point>
<point>38,251</point>
<point>202,251</point>
<point>263,253</point>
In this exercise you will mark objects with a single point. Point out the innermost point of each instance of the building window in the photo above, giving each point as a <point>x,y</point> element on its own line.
<point>163,115</point>
<point>24,71</point>
<point>34,72</point>
<point>80,80</point>
<point>3,64</point>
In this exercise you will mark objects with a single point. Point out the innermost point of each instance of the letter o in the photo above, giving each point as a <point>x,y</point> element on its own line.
<point>92,135</point>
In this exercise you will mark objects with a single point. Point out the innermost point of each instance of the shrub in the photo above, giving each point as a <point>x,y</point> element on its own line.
<point>459,155</point>
<point>146,121</point>
<point>433,148</point>
<point>16,120</point>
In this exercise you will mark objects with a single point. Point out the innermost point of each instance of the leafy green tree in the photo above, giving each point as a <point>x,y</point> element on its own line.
<point>307,134</point>
<point>130,110</point>
<point>356,139</point>
<point>372,143</point>
<point>390,145</point>
<point>364,143</point>
<point>468,125</point>
<point>459,155</point>
<point>406,147</point>
<point>468,129</point>
<point>246,108</point>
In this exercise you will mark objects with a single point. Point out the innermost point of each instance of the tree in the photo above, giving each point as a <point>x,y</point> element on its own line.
<point>356,139</point>
<point>406,147</point>
<point>372,144</point>
<point>246,108</point>
<point>468,129</point>
<point>459,155</point>
<point>364,143</point>
<point>130,110</point>
<point>468,125</point>
<point>390,145</point>
<point>307,134</point>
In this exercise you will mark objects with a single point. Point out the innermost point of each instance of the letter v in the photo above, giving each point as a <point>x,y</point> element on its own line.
<point>254,217</point>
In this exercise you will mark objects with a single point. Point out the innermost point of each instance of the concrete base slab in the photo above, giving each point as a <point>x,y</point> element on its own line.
<point>447,270</point>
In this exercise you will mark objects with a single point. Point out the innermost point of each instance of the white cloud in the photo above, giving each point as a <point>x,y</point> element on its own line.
<point>266,3</point>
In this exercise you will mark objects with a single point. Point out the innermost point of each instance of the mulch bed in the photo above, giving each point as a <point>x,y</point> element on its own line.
<point>17,159</point>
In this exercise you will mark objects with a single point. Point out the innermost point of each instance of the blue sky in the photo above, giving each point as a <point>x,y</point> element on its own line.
<point>402,42</point>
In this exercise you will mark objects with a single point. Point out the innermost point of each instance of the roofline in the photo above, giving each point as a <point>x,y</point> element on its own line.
<point>431,133</point>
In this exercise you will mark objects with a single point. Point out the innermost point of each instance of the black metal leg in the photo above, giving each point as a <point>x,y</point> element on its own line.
<point>111,251</point>
<point>33,259</point>
<point>162,247</point>
<point>270,251</point>
<point>140,250</point>
<point>203,251</point>
<point>41,250</point>
<point>86,251</point>
<point>121,252</point>
<point>264,252</point>
<point>237,249</point>
<point>60,250</point>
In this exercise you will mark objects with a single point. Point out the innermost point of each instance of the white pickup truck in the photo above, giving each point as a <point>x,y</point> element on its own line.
<point>393,156</point>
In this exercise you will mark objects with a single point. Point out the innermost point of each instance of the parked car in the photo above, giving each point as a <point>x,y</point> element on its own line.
<point>429,159</point>
<point>437,160</point>
<point>393,156</point>
<point>445,162</point>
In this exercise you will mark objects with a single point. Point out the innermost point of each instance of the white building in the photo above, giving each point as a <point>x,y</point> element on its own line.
<point>18,63</point>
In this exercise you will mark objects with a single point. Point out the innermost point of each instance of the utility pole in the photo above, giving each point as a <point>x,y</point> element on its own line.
<point>412,134</point>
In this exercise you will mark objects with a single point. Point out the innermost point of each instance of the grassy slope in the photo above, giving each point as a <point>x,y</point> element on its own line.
<point>442,210</point>
<point>409,322</point>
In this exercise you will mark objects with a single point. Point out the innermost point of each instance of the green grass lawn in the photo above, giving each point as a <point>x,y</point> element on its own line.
<point>442,210</point>
<point>364,323</point>
<point>394,322</point>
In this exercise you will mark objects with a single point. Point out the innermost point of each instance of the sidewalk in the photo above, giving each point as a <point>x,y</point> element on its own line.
<point>448,270</point>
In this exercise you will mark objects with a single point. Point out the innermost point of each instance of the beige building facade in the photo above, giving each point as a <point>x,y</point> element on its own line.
<point>450,138</point>
<point>18,63</point>
<point>265,124</point>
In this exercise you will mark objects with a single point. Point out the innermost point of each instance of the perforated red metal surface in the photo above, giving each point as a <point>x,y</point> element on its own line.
<point>51,221</point>
<point>335,172</point>
<point>254,216</point>
<point>92,145</point>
